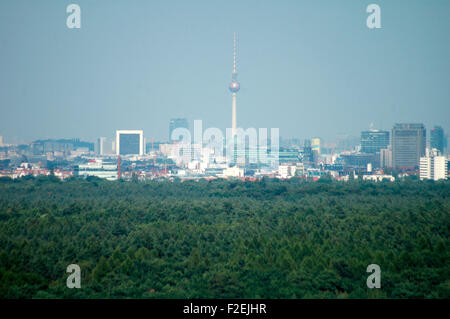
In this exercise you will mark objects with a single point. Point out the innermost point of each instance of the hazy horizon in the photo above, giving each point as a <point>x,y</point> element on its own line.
<point>308,68</point>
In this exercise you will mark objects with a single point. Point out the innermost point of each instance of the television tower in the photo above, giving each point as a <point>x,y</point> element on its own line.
<point>234,88</point>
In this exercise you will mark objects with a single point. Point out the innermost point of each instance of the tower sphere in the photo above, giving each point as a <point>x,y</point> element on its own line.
<point>234,86</point>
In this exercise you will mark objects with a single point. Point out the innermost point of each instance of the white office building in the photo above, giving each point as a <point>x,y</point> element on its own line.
<point>287,171</point>
<point>378,177</point>
<point>97,168</point>
<point>129,142</point>
<point>233,172</point>
<point>433,167</point>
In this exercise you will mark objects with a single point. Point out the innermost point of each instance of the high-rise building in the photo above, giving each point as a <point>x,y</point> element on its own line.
<point>100,146</point>
<point>408,144</point>
<point>129,142</point>
<point>1,140</point>
<point>446,138</point>
<point>315,144</point>
<point>373,141</point>
<point>234,88</point>
<point>315,147</point>
<point>177,123</point>
<point>433,166</point>
<point>437,139</point>
<point>307,153</point>
<point>386,157</point>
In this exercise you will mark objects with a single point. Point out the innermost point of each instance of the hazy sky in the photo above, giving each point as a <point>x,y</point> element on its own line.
<point>311,68</point>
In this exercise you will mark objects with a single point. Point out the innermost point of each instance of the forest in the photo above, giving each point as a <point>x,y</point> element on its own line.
<point>224,238</point>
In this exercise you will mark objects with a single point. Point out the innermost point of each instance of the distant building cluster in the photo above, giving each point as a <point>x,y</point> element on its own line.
<point>377,156</point>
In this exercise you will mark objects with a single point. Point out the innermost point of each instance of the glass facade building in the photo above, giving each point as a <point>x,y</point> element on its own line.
<point>129,142</point>
<point>437,138</point>
<point>408,144</point>
<point>373,141</point>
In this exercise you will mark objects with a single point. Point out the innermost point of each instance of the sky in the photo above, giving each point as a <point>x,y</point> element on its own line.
<point>310,68</point>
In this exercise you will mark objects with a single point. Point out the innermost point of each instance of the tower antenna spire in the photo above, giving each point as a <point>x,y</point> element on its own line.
<point>234,54</point>
<point>234,88</point>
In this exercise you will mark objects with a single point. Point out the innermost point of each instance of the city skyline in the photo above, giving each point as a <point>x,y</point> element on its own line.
<point>304,74</point>
<point>215,158</point>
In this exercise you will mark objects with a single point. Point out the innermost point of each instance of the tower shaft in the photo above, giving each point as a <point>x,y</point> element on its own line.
<point>233,115</point>
<point>234,88</point>
<point>233,110</point>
